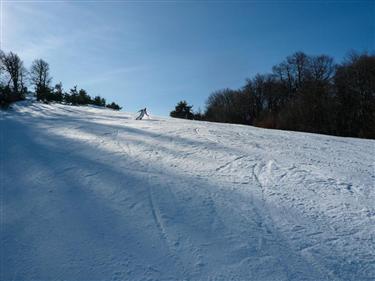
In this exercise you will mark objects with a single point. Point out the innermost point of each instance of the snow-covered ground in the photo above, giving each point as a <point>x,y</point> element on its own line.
<point>92,194</point>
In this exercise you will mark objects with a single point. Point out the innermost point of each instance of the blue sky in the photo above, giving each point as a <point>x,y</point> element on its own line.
<point>155,53</point>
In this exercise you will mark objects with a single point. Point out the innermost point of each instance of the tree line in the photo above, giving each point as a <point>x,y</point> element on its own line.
<point>14,79</point>
<point>302,93</point>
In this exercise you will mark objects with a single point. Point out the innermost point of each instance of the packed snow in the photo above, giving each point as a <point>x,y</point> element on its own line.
<point>93,194</point>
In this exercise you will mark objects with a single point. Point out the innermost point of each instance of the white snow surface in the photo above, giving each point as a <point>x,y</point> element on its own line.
<point>92,194</point>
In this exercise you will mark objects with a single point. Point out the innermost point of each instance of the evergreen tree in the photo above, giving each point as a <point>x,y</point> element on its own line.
<point>72,96</point>
<point>99,101</point>
<point>114,106</point>
<point>182,110</point>
<point>58,92</point>
<point>83,98</point>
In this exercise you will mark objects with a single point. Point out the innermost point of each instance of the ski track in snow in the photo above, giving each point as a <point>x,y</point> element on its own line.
<point>91,194</point>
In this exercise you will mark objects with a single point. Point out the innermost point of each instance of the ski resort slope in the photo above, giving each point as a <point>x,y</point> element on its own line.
<point>92,194</point>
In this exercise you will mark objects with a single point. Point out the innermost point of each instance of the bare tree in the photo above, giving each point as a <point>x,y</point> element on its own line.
<point>2,79</point>
<point>1,65</point>
<point>39,74</point>
<point>16,72</point>
<point>322,68</point>
<point>299,64</point>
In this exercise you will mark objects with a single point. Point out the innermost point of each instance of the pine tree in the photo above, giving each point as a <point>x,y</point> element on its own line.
<point>183,110</point>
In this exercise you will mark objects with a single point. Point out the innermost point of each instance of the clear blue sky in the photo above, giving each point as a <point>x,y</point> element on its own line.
<point>155,53</point>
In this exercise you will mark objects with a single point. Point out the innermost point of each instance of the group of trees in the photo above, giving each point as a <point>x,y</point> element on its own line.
<point>73,97</point>
<point>303,93</point>
<point>14,77</point>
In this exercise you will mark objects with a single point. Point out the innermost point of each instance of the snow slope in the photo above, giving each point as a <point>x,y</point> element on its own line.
<point>92,194</point>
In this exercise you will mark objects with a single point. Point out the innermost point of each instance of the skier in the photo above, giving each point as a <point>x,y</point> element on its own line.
<point>142,114</point>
